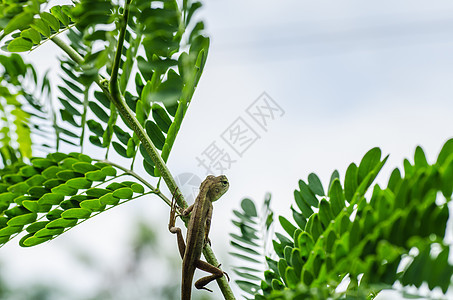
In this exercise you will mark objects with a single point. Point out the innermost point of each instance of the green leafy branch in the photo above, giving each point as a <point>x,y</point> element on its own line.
<point>342,236</point>
<point>54,194</point>
<point>35,31</point>
<point>251,245</point>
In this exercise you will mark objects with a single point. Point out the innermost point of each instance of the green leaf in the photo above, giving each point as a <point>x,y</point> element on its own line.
<point>115,185</point>
<point>336,195</point>
<point>169,91</point>
<point>28,171</point>
<point>249,207</point>
<point>130,150</point>
<point>92,205</point>
<point>68,174</point>
<point>287,226</point>
<point>51,172</point>
<point>79,183</point>
<point>19,188</point>
<point>35,180</point>
<point>22,219</point>
<point>303,206</point>
<point>368,162</point>
<point>155,134</point>
<point>61,15</point>
<point>20,21</point>
<point>37,191</point>
<point>161,117</point>
<point>84,167</point>
<point>70,95</point>
<point>64,189</point>
<point>97,175</point>
<point>325,213</point>
<point>109,171</point>
<point>51,20</point>
<point>69,108</point>
<point>109,199</point>
<point>445,152</point>
<point>97,192</point>
<point>137,188</point>
<point>62,223</point>
<point>101,97</point>
<point>48,233</point>
<point>34,227</point>
<point>123,193</point>
<point>30,205</point>
<point>33,241</point>
<point>245,249</point>
<point>191,11</point>
<point>76,213</point>
<point>95,127</point>
<point>420,158</point>
<point>40,26</point>
<point>7,231</point>
<point>119,149</point>
<point>7,197</point>
<point>315,184</point>
<point>20,44</point>
<point>54,214</point>
<point>350,182</point>
<point>121,134</point>
<point>299,218</point>
<point>307,194</point>
<point>98,111</point>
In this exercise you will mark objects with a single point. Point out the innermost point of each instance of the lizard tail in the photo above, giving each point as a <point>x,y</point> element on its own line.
<point>186,288</point>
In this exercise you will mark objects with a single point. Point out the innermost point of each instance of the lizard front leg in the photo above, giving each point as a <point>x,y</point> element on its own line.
<point>176,230</point>
<point>208,226</point>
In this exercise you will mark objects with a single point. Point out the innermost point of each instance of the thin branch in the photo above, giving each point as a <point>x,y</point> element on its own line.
<point>130,118</point>
<point>139,178</point>
<point>73,54</point>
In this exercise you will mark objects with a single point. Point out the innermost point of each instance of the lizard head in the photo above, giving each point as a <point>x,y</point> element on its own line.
<point>219,186</point>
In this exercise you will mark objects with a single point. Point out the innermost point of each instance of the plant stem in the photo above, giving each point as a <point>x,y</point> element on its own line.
<point>84,116</point>
<point>114,96</point>
<point>130,118</point>
<point>74,55</point>
<point>222,281</point>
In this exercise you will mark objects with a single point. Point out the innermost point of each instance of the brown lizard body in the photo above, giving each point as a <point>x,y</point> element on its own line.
<point>211,189</point>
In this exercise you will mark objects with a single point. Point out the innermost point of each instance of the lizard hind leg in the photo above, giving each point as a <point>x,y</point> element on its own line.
<point>215,271</point>
<point>176,230</point>
<point>172,222</point>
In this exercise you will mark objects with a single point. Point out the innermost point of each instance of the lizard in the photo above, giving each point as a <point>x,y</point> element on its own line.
<point>211,189</point>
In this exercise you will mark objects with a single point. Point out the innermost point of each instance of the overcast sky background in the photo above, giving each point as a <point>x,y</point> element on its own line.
<point>349,75</point>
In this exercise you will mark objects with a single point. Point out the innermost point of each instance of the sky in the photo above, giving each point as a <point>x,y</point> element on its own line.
<point>346,76</point>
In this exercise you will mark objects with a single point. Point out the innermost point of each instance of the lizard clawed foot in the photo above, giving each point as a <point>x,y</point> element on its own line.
<point>224,273</point>
<point>205,288</point>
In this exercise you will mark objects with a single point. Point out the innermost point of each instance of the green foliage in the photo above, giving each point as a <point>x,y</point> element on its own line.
<point>162,60</point>
<point>396,234</point>
<point>53,194</point>
<point>34,31</point>
<point>21,113</point>
<point>252,243</point>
